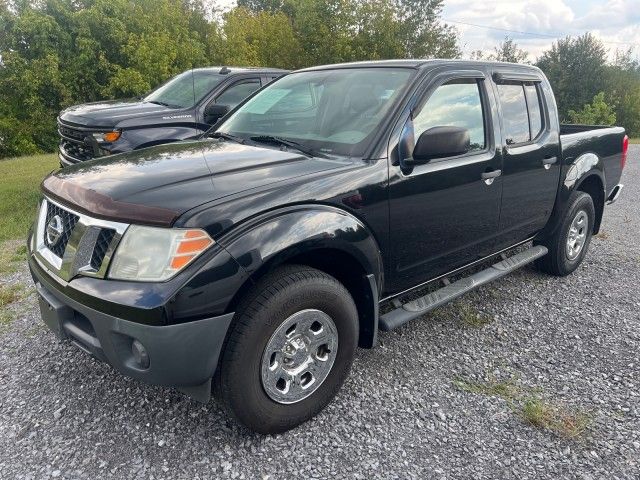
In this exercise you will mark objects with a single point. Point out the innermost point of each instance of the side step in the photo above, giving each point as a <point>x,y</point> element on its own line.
<point>422,305</point>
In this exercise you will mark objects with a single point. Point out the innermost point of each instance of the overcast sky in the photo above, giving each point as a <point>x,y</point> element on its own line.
<point>616,22</point>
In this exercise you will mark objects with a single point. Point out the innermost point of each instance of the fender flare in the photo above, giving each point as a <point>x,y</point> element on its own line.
<point>279,235</point>
<point>582,169</point>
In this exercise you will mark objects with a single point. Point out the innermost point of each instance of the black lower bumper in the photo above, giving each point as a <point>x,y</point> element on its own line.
<point>183,356</point>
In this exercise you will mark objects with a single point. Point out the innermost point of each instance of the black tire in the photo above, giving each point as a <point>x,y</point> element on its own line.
<point>275,297</point>
<point>557,261</point>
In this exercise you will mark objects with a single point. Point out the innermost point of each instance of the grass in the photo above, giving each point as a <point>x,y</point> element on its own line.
<point>506,389</point>
<point>634,140</point>
<point>554,418</point>
<point>19,192</point>
<point>12,254</point>
<point>8,295</point>
<point>469,316</point>
<point>531,407</point>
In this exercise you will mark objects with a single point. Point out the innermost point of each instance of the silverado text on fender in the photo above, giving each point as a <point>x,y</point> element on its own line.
<point>254,262</point>
<point>180,109</point>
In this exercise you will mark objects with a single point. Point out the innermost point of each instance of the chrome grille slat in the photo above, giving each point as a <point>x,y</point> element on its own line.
<point>102,246</point>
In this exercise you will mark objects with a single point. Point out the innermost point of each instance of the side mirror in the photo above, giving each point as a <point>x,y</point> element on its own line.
<point>213,112</point>
<point>440,142</point>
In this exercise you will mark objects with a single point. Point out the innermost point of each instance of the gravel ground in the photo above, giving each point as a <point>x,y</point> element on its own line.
<point>572,342</point>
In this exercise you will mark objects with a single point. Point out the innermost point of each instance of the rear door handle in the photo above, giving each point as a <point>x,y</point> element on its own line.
<point>548,161</point>
<point>489,177</point>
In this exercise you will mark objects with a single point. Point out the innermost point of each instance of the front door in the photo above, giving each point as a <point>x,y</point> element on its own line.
<point>445,213</point>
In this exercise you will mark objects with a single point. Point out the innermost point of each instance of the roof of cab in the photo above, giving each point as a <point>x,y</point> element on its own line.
<point>416,64</point>
<point>234,70</point>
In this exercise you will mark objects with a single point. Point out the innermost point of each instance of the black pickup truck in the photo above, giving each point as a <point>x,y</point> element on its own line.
<point>336,202</point>
<point>182,108</point>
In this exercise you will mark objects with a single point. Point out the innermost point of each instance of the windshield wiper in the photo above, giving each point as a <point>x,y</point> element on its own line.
<point>226,136</point>
<point>164,104</point>
<point>288,143</point>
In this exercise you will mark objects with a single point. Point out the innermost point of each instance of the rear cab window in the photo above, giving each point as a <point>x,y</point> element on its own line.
<point>521,111</point>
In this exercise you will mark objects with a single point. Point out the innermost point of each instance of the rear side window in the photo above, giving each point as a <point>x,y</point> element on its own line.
<point>514,113</point>
<point>521,112</point>
<point>457,104</point>
<point>535,112</point>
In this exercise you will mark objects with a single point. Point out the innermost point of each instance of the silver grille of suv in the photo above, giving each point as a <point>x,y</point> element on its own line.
<point>71,243</point>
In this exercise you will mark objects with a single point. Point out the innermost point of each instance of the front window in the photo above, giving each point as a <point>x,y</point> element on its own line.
<point>185,90</point>
<point>457,103</point>
<point>332,111</point>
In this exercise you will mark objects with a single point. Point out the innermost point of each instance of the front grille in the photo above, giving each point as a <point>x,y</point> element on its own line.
<point>68,221</point>
<point>73,243</point>
<point>101,248</point>
<point>75,150</point>
<point>75,143</point>
<point>71,133</point>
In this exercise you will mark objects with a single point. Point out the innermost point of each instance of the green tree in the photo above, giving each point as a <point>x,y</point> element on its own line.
<point>623,91</point>
<point>576,70</point>
<point>508,51</point>
<point>260,39</point>
<point>595,113</point>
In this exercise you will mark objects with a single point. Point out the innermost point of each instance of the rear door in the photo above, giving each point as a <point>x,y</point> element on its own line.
<point>531,151</point>
<point>444,214</point>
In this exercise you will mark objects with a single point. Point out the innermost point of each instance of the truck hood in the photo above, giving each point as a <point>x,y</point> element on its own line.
<point>110,114</point>
<point>154,186</point>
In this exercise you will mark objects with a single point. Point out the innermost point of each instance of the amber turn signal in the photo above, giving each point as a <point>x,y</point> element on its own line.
<point>111,136</point>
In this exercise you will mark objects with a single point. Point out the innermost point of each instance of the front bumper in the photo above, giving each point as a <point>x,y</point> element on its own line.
<point>183,355</point>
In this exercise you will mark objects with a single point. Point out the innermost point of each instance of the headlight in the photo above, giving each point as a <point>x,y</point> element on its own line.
<point>107,136</point>
<point>156,254</point>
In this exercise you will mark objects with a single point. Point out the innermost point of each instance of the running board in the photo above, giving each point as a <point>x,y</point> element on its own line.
<point>422,305</point>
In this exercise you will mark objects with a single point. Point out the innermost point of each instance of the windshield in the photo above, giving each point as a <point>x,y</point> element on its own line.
<point>331,111</point>
<point>186,89</point>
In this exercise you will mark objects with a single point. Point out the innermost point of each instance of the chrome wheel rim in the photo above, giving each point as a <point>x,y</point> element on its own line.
<point>577,235</point>
<point>299,356</point>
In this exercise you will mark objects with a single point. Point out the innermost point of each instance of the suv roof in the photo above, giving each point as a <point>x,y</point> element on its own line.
<point>235,70</point>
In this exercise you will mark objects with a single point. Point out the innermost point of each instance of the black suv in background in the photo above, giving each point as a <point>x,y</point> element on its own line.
<point>180,109</point>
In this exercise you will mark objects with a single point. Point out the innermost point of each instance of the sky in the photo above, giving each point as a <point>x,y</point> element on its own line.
<point>616,22</point>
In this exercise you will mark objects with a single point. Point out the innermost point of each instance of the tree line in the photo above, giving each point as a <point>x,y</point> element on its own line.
<point>56,53</point>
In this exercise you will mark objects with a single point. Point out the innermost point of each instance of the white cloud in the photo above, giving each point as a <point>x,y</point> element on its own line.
<point>612,21</point>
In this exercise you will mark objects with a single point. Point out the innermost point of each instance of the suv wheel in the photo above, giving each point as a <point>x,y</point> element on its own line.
<point>289,350</point>
<point>569,244</point>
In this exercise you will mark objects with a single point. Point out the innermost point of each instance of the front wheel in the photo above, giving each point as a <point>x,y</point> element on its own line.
<point>289,351</point>
<point>569,244</point>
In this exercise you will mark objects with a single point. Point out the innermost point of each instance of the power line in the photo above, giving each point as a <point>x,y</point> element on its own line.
<point>543,35</point>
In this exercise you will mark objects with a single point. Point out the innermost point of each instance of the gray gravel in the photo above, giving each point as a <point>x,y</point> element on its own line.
<point>572,341</point>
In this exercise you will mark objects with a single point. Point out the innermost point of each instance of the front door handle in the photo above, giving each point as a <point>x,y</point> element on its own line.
<point>548,161</point>
<point>489,177</point>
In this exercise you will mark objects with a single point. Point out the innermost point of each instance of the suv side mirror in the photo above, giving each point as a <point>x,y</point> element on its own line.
<point>440,142</point>
<point>213,112</point>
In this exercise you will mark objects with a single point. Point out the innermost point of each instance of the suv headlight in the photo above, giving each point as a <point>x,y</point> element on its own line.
<point>107,136</point>
<point>155,254</point>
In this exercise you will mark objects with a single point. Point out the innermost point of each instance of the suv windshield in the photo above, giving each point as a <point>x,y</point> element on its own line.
<point>331,111</point>
<point>186,89</point>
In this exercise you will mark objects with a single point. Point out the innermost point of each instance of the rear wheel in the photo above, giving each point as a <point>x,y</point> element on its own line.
<point>289,351</point>
<point>569,244</point>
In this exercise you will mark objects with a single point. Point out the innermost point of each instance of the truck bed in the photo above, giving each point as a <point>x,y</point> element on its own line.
<point>604,141</point>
